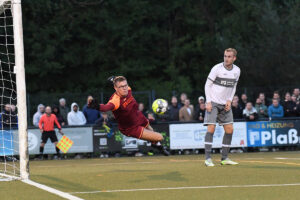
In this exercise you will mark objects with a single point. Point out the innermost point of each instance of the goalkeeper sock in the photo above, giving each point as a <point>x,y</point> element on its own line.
<point>208,144</point>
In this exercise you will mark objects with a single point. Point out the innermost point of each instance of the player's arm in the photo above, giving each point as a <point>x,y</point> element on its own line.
<point>113,104</point>
<point>58,125</point>
<point>208,85</point>
<point>229,100</point>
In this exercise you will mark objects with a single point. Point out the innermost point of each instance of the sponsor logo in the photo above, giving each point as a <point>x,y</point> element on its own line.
<point>262,138</point>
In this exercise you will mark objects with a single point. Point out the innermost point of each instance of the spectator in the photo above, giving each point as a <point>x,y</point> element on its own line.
<point>56,112</point>
<point>201,99</point>
<point>236,98</point>
<point>183,97</point>
<point>262,97</point>
<point>237,109</point>
<point>250,113</point>
<point>37,116</point>
<point>64,110</point>
<point>88,101</point>
<point>9,118</point>
<point>173,109</point>
<point>276,95</point>
<point>262,109</point>
<point>290,107</point>
<point>90,113</point>
<point>76,117</point>
<point>244,101</point>
<point>296,92</point>
<point>104,120</point>
<point>275,110</point>
<point>186,113</point>
<point>200,111</point>
<point>142,109</point>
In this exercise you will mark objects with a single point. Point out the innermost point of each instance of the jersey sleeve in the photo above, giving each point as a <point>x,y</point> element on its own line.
<point>115,100</point>
<point>213,74</point>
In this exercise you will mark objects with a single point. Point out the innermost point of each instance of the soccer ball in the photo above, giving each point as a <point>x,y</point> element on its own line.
<point>159,106</point>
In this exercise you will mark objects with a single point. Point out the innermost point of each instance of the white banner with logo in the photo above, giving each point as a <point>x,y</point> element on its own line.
<point>82,138</point>
<point>191,136</point>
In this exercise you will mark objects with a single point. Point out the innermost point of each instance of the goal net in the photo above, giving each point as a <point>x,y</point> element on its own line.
<point>11,125</point>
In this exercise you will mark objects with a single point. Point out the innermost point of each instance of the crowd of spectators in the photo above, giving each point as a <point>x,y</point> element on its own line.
<point>178,110</point>
<point>73,116</point>
<point>242,108</point>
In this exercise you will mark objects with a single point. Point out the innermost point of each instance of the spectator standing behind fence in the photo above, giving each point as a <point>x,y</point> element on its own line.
<point>173,110</point>
<point>37,116</point>
<point>76,117</point>
<point>63,109</point>
<point>91,114</point>
<point>262,109</point>
<point>296,92</point>
<point>276,95</point>
<point>200,112</point>
<point>186,113</point>
<point>262,97</point>
<point>250,113</point>
<point>104,120</point>
<point>289,106</point>
<point>56,112</point>
<point>9,118</point>
<point>275,110</point>
<point>183,97</point>
<point>244,100</point>
<point>200,109</point>
<point>237,109</point>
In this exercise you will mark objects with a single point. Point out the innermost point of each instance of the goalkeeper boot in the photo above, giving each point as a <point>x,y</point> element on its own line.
<point>162,149</point>
<point>227,161</point>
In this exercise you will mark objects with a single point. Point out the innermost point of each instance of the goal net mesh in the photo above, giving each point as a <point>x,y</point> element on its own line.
<point>9,145</point>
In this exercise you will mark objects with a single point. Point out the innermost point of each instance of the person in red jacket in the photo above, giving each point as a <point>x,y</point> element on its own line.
<point>46,125</point>
<point>131,121</point>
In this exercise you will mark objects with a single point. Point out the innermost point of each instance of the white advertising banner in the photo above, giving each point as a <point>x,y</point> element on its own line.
<point>191,136</point>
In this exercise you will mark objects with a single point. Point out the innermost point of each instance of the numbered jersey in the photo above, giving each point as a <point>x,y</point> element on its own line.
<point>224,83</point>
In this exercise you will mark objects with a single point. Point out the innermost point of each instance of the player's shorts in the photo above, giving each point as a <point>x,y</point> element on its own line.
<point>136,131</point>
<point>218,115</point>
<point>49,134</point>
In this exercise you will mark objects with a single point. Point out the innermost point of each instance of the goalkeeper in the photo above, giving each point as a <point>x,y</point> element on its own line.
<point>131,121</point>
<point>46,125</point>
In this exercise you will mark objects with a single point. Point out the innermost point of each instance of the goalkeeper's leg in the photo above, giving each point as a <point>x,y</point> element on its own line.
<point>155,138</point>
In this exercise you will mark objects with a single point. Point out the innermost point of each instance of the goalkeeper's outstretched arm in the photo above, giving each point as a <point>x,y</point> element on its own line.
<point>106,107</point>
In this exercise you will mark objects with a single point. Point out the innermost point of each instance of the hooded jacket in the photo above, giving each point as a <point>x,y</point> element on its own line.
<point>76,118</point>
<point>37,116</point>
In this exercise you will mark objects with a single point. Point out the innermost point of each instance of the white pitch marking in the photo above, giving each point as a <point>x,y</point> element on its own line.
<point>52,190</point>
<point>279,158</point>
<point>100,164</point>
<point>185,188</point>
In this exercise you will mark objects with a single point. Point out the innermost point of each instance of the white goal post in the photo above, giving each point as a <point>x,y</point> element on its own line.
<point>21,88</point>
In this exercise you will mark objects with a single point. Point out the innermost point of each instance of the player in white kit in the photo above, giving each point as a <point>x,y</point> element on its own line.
<point>220,88</point>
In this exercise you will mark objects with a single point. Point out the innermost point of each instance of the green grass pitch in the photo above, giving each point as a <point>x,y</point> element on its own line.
<point>258,176</point>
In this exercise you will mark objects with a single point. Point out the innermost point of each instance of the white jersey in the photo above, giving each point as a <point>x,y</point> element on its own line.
<point>221,84</point>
